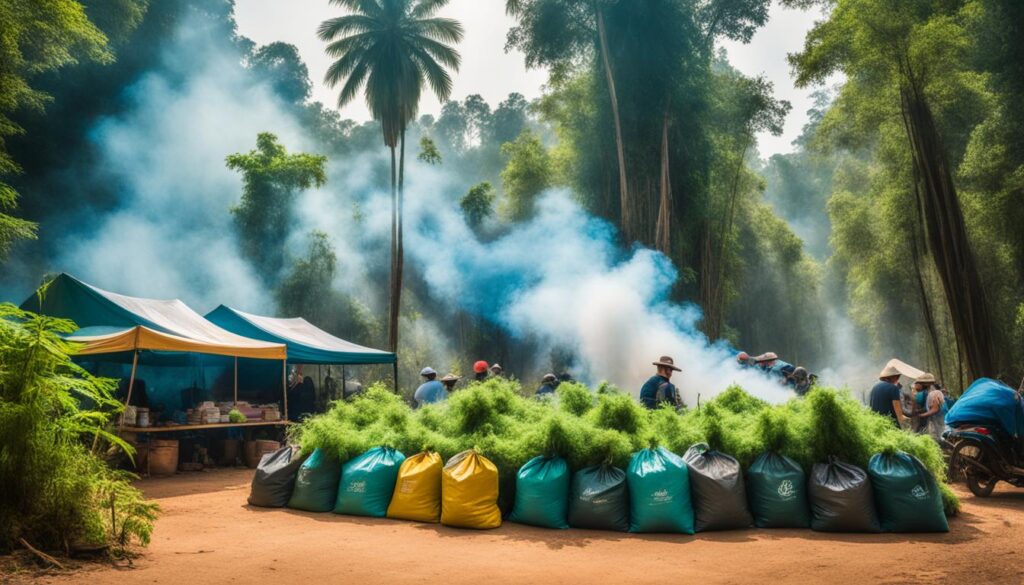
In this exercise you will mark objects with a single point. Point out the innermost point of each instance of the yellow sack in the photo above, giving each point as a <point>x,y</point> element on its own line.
<point>417,494</point>
<point>469,492</point>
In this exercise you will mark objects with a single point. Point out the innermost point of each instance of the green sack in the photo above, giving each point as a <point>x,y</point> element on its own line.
<point>316,485</point>
<point>777,489</point>
<point>599,499</point>
<point>367,483</point>
<point>906,494</point>
<point>542,493</point>
<point>659,492</point>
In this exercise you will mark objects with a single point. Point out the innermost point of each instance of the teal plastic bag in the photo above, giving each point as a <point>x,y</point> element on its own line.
<point>542,493</point>
<point>599,499</point>
<point>316,485</point>
<point>367,483</point>
<point>659,492</point>
<point>777,489</point>
<point>906,494</point>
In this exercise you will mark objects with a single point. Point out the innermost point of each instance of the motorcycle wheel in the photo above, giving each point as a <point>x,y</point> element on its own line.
<point>980,483</point>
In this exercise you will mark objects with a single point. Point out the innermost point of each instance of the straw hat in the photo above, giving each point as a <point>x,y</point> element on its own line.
<point>496,368</point>
<point>926,378</point>
<point>450,378</point>
<point>889,371</point>
<point>766,357</point>
<point>667,362</point>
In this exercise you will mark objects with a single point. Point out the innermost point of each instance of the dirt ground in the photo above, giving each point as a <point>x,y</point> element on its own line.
<point>207,534</point>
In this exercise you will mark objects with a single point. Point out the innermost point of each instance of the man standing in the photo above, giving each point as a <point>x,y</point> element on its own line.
<point>547,385</point>
<point>658,389</point>
<point>932,407</point>
<point>430,391</point>
<point>885,395</point>
<point>449,381</point>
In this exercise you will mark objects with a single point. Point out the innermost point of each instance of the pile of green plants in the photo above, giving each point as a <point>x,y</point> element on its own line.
<point>588,428</point>
<point>57,492</point>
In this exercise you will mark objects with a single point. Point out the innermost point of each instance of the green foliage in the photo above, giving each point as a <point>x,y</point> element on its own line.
<point>36,38</point>
<point>494,417</point>
<point>271,179</point>
<point>478,203</point>
<point>528,173</point>
<point>58,492</point>
<point>428,152</point>
<point>574,398</point>
<point>236,417</point>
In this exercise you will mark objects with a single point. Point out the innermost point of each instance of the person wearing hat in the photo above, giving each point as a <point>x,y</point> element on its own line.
<point>658,389</point>
<point>885,395</point>
<point>930,407</point>
<point>547,385</point>
<point>799,380</point>
<point>496,371</point>
<point>480,371</point>
<point>449,380</point>
<point>430,391</point>
<point>766,361</point>
<point>743,360</point>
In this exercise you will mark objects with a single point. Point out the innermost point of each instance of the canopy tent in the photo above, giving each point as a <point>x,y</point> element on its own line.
<point>307,344</point>
<point>111,325</point>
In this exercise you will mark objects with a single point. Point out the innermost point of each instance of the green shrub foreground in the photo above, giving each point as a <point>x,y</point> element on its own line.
<point>56,492</point>
<point>588,428</point>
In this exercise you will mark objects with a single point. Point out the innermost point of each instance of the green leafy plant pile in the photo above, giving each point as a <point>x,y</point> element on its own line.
<point>588,428</point>
<point>56,492</point>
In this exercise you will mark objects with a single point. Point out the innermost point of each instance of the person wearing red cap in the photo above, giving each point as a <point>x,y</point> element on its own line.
<point>480,371</point>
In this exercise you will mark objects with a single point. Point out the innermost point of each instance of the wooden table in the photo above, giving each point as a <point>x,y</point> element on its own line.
<point>173,428</point>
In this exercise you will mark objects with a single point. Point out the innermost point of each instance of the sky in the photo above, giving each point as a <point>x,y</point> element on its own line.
<point>491,72</point>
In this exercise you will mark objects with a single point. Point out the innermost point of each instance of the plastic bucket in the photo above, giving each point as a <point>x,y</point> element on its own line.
<point>163,457</point>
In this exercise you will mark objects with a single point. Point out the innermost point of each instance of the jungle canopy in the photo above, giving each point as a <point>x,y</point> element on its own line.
<point>113,323</point>
<point>306,343</point>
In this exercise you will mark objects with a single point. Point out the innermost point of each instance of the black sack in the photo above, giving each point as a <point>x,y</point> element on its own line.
<point>717,488</point>
<point>842,499</point>
<point>599,499</point>
<point>274,479</point>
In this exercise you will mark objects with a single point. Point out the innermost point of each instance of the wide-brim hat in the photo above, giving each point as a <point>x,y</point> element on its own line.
<point>766,357</point>
<point>451,378</point>
<point>667,362</point>
<point>549,378</point>
<point>495,367</point>
<point>428,371</point>
<point>889,372</point>
<point>926,378</point>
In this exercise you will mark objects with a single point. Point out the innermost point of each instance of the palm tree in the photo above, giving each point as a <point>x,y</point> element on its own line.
<point>392,47</point>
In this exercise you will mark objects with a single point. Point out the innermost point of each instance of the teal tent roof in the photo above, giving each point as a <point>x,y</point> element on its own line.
<point>112,323</point>
<point>307,344</point>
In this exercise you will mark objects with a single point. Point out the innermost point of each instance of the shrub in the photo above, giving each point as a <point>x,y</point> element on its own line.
<point>56,491</point>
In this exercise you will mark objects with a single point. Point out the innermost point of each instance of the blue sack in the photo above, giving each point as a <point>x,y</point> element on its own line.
<point>992,403</point>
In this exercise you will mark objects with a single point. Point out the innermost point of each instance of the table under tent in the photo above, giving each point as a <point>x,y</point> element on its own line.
<point>167,343</point>
<point>307,344</point>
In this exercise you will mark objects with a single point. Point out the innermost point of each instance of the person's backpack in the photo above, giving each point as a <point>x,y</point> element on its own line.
<point>664,395</point>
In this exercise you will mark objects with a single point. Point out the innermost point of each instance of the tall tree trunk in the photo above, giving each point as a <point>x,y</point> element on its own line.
<point>715,276</point>
<point>399,265</point>
<point>393,302</point>
<point>915,254</point>
<point>663,229</point>
<point>947,236</point>
<point>626,219</point>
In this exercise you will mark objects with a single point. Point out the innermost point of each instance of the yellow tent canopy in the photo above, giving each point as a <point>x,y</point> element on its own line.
<point>144,338</point>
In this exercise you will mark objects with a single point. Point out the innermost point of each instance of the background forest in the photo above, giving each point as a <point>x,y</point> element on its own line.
<point>149,148</point>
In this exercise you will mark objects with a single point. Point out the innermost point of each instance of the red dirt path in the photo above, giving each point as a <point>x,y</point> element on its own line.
<point>207,534</point>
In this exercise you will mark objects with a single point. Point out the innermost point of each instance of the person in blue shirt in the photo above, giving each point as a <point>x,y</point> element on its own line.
<point>885,395</point>
<point>430,391</point>
<point>658,389</point>
<point>548,384</point>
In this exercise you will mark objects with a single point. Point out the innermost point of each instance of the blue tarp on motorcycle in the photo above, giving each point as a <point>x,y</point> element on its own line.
<point>989,402</point>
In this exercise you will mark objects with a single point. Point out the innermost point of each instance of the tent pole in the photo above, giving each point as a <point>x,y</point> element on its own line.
<point>131,382</point>
<point>344,383</point>
<point>395,368</point>
<point>284,385</point>
<point>236,380</point>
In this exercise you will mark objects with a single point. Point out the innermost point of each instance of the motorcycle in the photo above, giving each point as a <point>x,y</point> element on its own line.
<point>983,456</point>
